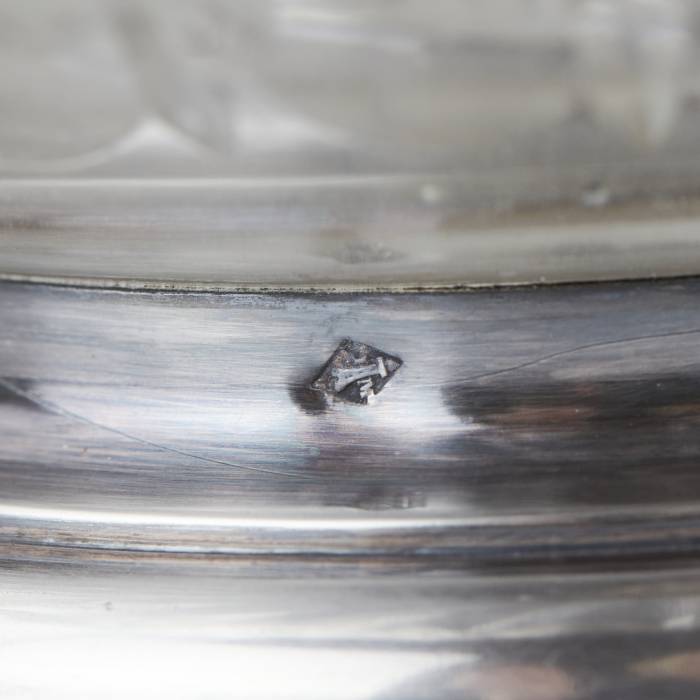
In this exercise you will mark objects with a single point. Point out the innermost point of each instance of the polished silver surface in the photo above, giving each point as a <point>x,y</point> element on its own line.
<point>516,516</point>
<point>210,631</point>
<point>200,404</point>
<point>538,407</point>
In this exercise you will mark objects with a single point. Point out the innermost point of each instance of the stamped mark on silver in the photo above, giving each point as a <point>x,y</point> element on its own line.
<point>356,372</point>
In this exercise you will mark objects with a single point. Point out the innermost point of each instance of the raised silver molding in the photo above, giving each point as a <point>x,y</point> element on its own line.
<point>199,406</point>
<point>516,516</point>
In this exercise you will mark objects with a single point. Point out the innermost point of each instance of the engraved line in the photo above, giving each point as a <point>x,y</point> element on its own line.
<point>55,408</point>
<point>580,348</point>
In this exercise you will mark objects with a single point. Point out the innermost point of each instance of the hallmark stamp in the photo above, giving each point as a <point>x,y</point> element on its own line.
<point>356,372</point>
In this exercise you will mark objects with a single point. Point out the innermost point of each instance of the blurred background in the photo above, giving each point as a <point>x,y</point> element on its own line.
<point>594,94</point>
<point>365,142</point>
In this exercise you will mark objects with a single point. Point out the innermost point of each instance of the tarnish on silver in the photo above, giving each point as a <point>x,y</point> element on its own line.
<point>356,372</point>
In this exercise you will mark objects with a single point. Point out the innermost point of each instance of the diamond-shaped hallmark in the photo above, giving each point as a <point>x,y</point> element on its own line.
<point>356,372</point>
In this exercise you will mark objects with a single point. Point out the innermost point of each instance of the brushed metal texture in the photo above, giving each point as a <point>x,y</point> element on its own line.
<point>555,407</point>
<point>516,516</point>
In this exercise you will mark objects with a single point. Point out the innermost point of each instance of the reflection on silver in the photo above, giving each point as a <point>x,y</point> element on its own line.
<point>497,526</point>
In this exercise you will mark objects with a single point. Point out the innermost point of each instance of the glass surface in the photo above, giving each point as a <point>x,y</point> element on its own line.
<point>353,131</point>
